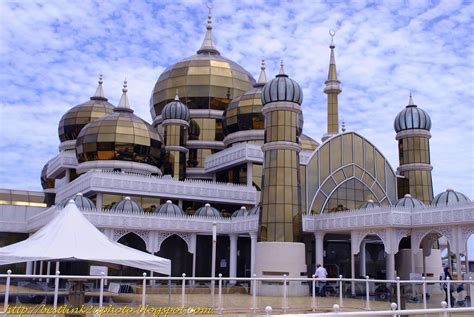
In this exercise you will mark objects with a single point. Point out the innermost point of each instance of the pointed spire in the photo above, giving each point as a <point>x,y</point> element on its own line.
<point>343,126</point>
<point>410,101</point>
<point>99,93</point>
<point>262,79</point>
<point>208,43</point>
<point>123,103</point>
<point>282,70</point>
<point>332,74</point>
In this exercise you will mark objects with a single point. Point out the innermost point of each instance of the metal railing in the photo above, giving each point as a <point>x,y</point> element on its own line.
<point>342,295</point>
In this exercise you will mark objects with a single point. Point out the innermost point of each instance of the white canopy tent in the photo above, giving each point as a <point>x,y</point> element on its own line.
<point>70,236</point>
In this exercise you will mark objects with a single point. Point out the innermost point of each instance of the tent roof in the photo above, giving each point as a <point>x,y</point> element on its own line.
<point>70,236</point>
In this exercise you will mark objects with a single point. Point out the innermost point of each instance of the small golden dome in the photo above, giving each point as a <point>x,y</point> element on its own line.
<point>77,117</point>
<point>120,135</point>
<point>245,112</point>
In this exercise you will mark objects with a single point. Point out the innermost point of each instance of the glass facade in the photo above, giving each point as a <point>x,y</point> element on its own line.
<point>414,150</point>
<point>346,171</point>
<point>281,126</point>
<point>418,184</point>
<point>333,117</point>
<point>175,161</point>
<point>22,198</point>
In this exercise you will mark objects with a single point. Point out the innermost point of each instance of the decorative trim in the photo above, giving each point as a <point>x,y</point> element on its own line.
<point>175,122</point>
<point>414,167</point>
<point>176,148</point>
<point>281,106</point>
<point>413,133</point>
<point>232,156</point>
<point>199,144</point>
<point>242,136</point>
<point>116,164</point>
<point>281,145</point>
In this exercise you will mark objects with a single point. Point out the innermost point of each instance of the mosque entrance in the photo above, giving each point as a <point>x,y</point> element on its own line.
<point>176,249</point>
<point>134,241</point>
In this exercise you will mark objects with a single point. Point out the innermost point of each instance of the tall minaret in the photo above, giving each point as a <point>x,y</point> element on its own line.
<point>332,89</point>
<point>281,201</point>
<point>413,135</point>
<point>176,117</point>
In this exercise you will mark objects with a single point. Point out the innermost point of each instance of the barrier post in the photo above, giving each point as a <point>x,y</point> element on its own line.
<point>398,292</point>
<point>56,290</point>
<point>424,293</point>
<point>183,290</point>
<point>340,290</point>
<point>101,290</point>
<point>7,292</point>
<point>219,307</point>
<point>285,293</point>
<point>254,293</point>
<point>314,292</point>
<point>144,294</point>
<point>367,293</point>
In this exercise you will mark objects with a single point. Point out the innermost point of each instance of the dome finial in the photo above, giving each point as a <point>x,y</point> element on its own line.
<point>343,125</point>
<point>123,103</point>
<point>282,68</point>
<point>410,101</point>
<point>99,93</point>
<point>262,79</point>
<point>332,33</point>
<point>208,44</point>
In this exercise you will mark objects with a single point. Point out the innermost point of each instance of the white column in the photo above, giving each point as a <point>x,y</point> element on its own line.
<point>362,264</point>
<point>29,268</point>
<point>193,251</point>
<point>319,247</point>
<point>48,269</point>
<point>253,246</point>
<point>41,269</point>
<point>99,200</point>
<point>180,203</point>
<point>233,257</point>
<point>34,267</point>
<point>68,176</point>
<point>352,269</point>
<point>458,266</point>
<point>249,173</point>
<point>390,266</point>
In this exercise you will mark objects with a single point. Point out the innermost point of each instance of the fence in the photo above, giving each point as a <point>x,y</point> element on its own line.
<point>333,296</point>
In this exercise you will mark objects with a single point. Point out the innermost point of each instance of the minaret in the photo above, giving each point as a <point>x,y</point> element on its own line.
<point>332,89</point>
<point>176,118</point>
<point>281,202</point>
<point>413,134</point>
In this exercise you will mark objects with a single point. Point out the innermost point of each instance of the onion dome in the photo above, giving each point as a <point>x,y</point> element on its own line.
<point>254,211</point>
<point>169,209</point>
<point>120,135</point>
<point>46,182</point>
<point>449,197</point>
<point>127,205</point>
<point>194,130</point>
<point>369,204</point>
<point>308,143</point>
<point>412,117</point>
<point>245,111</point>
<point>77,117</point>
<point>207,211</point>
<point>82,202</point>
<point>176,110</point>
<point>282,88</point>
<point>204,80</point>
<point>241,212</point>
<point>410,202</point>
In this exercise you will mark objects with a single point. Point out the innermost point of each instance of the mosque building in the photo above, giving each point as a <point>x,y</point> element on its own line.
<point>225,149</point>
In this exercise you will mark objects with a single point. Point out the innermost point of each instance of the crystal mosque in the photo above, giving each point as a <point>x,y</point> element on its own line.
<point>223,149</point>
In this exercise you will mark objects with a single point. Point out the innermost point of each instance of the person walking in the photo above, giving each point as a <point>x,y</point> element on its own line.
<point>446,276</point>
<point>321,274</point>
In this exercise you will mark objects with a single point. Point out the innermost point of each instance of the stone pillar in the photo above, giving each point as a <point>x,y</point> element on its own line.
<point>233,257</point>
<point>458,266</point>
<point>48,269</point>
<point>253,245</point>
<point>362,263</point>
<point>193,251</point>
<point>99,200</point>
<point>390,266</point>
<point>41,269</point>
<point>249,173</point>
<point>180,203</point>
<point>319,247</point>
<point>34,267</point>
<point>29,268</point>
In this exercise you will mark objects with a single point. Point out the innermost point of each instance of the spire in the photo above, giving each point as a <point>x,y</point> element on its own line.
<point>262,79</point>
<point>208,44</point>
<point>123,103</point>
<point>332,89</point>
<point>99,93</point>
<point>343,129</point>
<point>410,101</point>
<point>282,70</point>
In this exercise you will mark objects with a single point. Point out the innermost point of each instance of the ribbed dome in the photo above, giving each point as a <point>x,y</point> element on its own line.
<point>245,112</point>
<point>369,204</point>
<point>282,88</point>
<point>410,202</point>
<point>77,117</point>
<point>127,205</point>
<point>176,110</point>
<point>82,202</point>
<point>169,209</point>
<point>46,182</point>
<point>241,212</point>
<point>207,211</point>
<point>120,135</point>
<point>412,117</point>
<point>449,197</point>
<point>254,211</point>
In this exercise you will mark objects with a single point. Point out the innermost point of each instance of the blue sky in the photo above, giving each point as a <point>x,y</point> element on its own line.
<point>51,53</point>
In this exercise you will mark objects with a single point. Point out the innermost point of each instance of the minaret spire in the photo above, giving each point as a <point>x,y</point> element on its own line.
<point>99,93</point>
<point>410,101</point>
<point>123,103</point>
<point>332,89</point>
<point>207,46</point>
<point>262,79</point>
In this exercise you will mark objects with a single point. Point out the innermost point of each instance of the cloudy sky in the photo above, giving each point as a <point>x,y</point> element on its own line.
<point>51,53</point>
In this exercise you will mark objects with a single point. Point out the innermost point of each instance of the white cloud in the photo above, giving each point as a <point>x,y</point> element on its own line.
<point>51,53</point>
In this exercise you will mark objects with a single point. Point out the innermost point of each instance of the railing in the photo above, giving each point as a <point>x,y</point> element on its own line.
<point>182,293</point>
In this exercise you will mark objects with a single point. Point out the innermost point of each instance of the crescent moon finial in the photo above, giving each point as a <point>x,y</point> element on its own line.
<point>332,33</point>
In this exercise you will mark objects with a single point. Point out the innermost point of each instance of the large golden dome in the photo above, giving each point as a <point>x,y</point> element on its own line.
<point>77,117</point>
<point>206,80</point>
<point>120,135</point>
